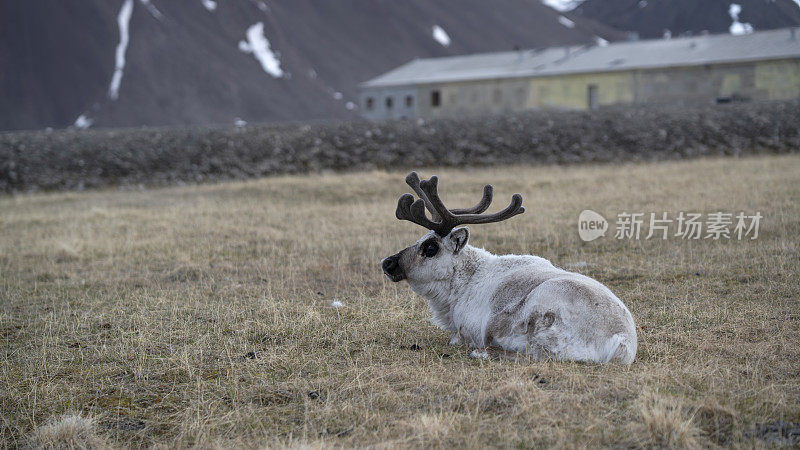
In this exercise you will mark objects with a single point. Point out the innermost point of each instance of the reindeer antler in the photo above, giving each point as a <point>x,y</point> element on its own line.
<point>443,220</point>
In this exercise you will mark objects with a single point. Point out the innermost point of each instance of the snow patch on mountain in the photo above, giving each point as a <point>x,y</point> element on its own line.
<point>738,28</point>
<point>83,122</point>
<point>566,22</point>
<point>562,5</point>
<point>600,41</point>
<point>210,5</point>
<point>258,45</point>
<point>124,21</point>
<point>441,36</point>
<point>151,8</point>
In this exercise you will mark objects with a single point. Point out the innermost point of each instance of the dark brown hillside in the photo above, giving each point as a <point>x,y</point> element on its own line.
<point>184,65</point>
<point>650,18</point>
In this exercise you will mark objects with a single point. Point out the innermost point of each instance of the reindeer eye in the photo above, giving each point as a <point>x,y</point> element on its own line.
<point>430,249</point>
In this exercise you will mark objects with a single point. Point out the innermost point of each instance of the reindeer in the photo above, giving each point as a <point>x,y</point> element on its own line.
<point>521,304</point>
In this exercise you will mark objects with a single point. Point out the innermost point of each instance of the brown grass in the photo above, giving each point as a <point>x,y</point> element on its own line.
<point>69,432</point>
<point>201,315</point>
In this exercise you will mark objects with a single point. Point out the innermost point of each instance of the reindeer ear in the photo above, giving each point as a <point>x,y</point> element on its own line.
<point>460,237</point>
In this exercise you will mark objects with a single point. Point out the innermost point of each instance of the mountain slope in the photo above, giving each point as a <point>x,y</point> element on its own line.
<point>195,62</point>
<point>651,18</point>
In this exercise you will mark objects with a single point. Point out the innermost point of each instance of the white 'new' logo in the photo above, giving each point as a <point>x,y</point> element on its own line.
<point>591,225</point>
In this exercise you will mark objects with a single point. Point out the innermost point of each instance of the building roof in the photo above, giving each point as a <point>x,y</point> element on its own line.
<point>645,54</point>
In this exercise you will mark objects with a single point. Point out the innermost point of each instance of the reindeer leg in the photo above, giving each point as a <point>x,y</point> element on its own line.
<point>456,339</point>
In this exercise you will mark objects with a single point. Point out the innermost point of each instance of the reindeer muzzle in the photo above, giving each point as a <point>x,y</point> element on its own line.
<point>391,268</point>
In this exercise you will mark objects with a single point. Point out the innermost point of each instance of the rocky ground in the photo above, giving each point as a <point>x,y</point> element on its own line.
<point>72,159</point>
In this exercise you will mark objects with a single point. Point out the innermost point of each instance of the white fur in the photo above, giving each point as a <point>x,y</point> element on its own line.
<point>483,300</point>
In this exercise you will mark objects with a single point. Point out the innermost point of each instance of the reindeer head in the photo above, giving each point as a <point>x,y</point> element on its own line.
<point>435,255</point>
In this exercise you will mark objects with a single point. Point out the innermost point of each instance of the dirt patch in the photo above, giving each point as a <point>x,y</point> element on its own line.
<point>776,433</point>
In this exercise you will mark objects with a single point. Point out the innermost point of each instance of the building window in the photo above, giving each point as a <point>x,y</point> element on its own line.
<point>734,98</point>
<point>497,96</point>
<point>436,98</point>
<point>370,103</point>
<point>389,102</point>
<point>409,101</point>
<point>591,96</point>
<point>520,94</point>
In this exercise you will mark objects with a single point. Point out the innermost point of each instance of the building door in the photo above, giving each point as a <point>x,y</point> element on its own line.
<point>591,96</point>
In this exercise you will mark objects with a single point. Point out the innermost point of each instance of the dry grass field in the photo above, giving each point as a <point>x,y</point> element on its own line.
<point>202,315</point>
